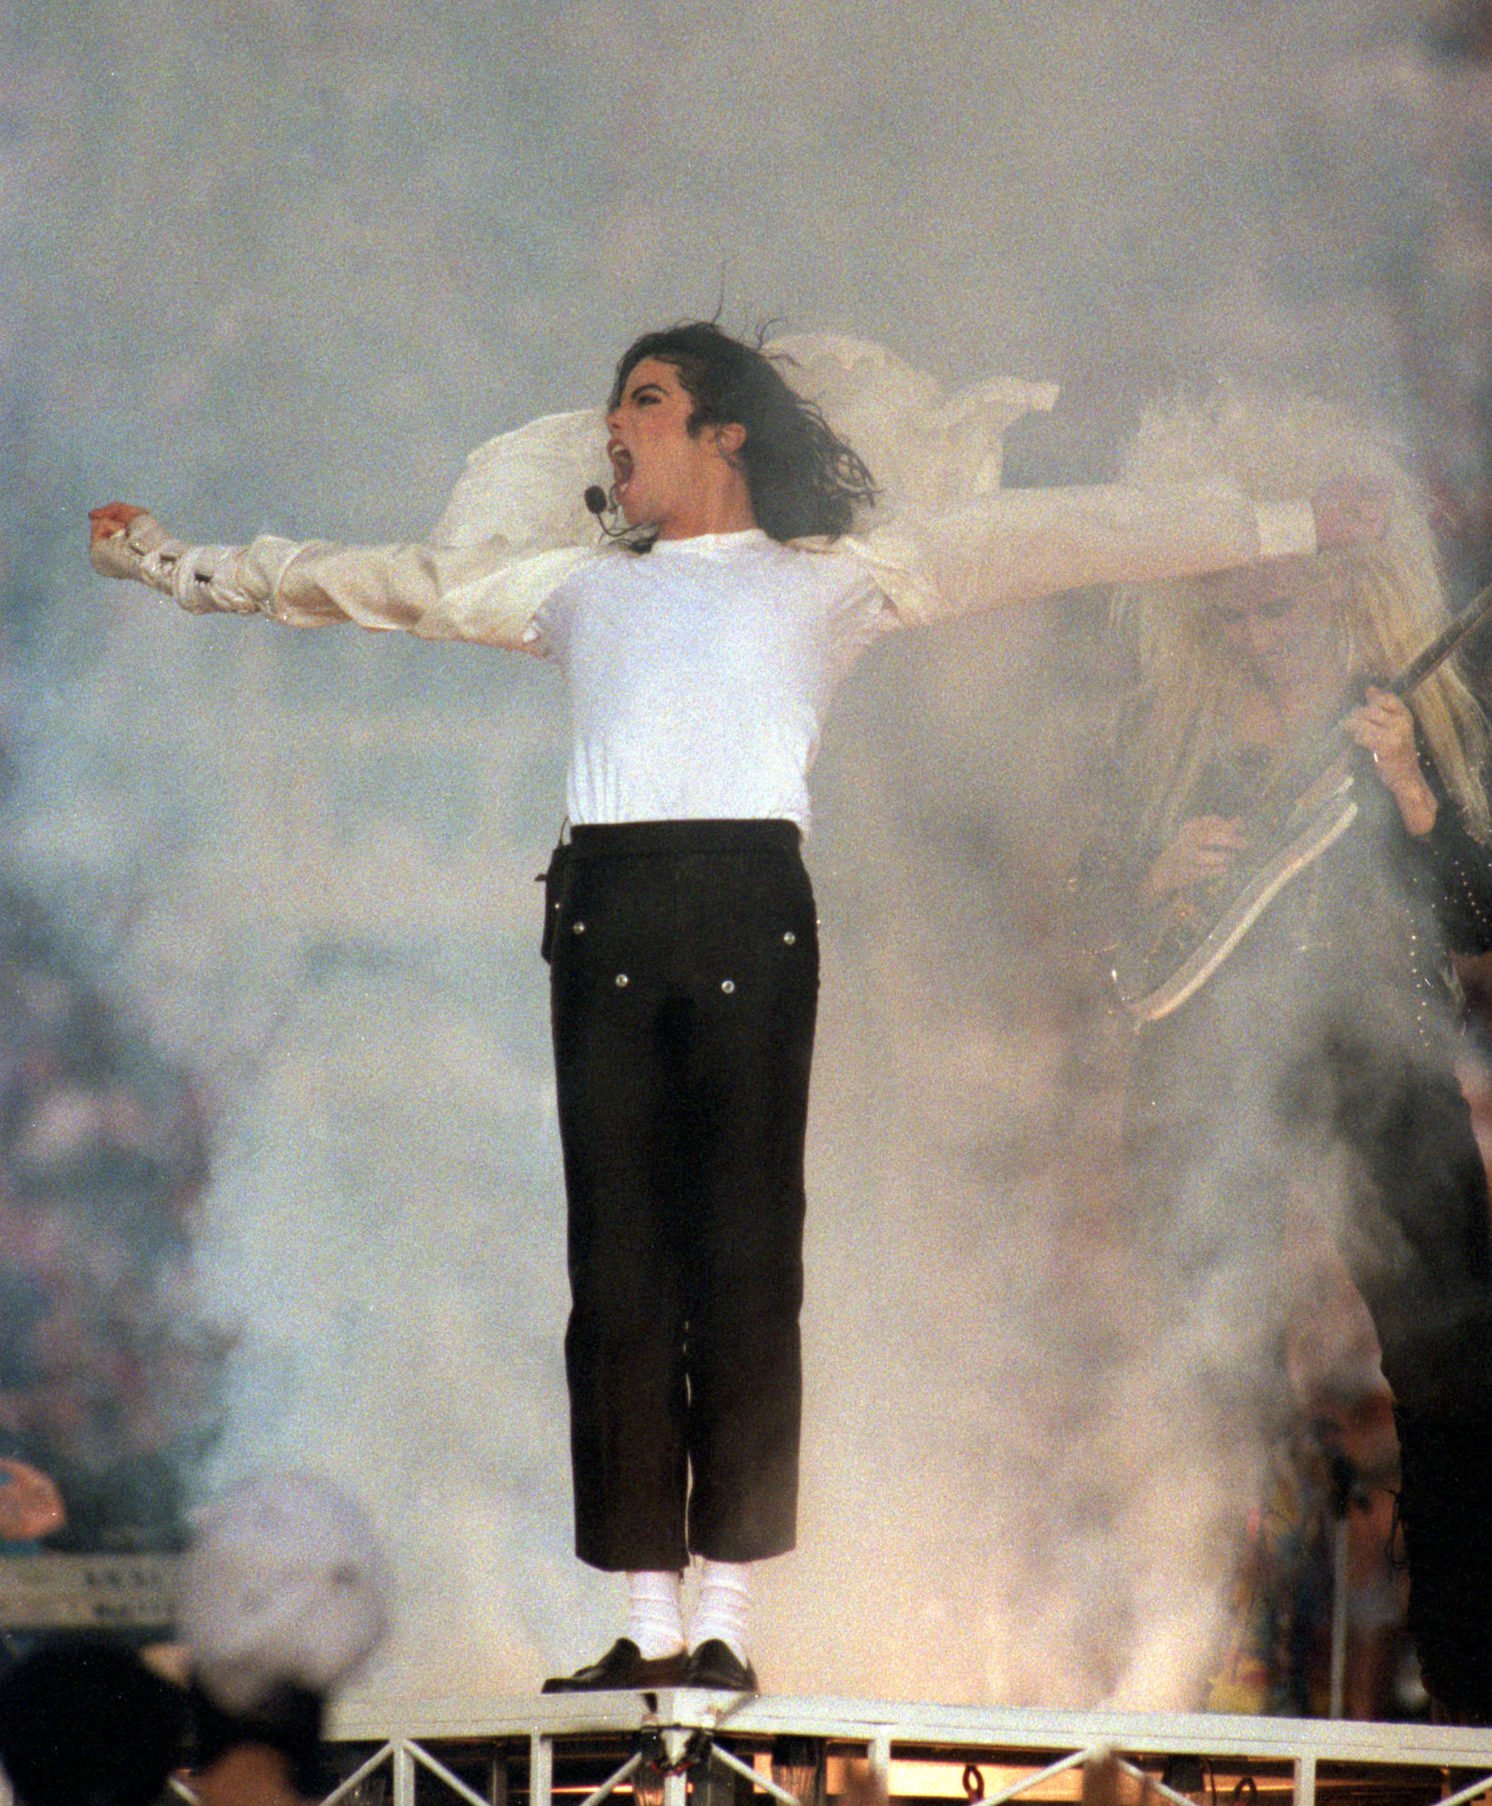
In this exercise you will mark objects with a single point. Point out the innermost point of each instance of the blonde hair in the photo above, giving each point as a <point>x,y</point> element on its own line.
<point>1282,448</point>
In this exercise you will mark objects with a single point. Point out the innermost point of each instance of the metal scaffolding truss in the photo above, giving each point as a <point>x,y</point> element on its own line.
<point>721,1750</point>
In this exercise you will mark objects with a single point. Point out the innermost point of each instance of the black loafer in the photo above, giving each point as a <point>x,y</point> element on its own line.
<point>623,1669</point>
<point>716,1664</point>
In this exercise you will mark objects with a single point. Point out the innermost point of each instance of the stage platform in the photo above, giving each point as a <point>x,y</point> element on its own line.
<point>712,1749</point>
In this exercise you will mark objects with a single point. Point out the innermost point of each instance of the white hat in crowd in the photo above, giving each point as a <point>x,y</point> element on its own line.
<point>283,1585</point>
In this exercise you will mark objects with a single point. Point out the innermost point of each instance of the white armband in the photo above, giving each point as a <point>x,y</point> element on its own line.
<point>196,586</point>
<point>1285,529</point>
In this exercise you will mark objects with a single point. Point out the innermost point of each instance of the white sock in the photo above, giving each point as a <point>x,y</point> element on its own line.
<point>724,1605</point>
<point>655,1613</point>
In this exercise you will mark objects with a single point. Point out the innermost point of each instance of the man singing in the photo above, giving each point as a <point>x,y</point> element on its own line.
<point>701,647</point>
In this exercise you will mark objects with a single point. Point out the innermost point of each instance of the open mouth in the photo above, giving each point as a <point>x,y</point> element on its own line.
<point>621,464</point>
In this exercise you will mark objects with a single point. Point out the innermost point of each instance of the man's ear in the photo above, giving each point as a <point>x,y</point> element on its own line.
<point>730,438</point>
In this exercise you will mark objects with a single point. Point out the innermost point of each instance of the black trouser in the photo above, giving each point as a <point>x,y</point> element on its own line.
<point>1387,1118</point>
<point>1418,1247</point>
<point>684,983</point>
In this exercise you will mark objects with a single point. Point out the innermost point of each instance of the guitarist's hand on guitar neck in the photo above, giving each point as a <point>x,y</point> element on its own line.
<point>1350,511</point>
<point>1204,847</point>
<point>1384,727</point>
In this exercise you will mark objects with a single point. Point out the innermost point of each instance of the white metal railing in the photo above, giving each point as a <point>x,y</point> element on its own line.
<point>679,1730</point>
<point>669,1735</point>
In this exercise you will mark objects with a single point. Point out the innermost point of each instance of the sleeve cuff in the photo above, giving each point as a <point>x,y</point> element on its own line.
<point>202,583</point>
<point>1285,528</point>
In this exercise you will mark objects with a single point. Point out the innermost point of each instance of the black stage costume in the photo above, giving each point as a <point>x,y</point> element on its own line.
<point>1325,1046</point>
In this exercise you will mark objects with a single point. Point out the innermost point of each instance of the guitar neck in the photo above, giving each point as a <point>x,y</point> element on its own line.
<point>1443,645</point>
<point>1328,744</point>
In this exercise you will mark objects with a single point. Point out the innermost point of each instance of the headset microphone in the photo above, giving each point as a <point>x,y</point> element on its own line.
<point>600,504</point>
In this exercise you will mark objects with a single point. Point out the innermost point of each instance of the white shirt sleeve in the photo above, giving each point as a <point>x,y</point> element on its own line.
<point>1017,545</point>
<point>483,593</point>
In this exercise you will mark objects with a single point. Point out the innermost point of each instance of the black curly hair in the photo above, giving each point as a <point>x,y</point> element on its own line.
<point>802,477</point>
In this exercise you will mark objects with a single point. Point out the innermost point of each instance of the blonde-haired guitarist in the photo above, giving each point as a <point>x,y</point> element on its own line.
<point>1316,1057</point>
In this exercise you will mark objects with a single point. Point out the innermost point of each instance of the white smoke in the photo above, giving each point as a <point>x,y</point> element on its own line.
<point>277,267</point>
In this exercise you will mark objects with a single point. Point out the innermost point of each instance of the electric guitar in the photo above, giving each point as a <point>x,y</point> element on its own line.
<point>1304,808</point>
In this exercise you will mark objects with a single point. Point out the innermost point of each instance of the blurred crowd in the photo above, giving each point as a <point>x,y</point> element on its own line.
<point>106,1379</point>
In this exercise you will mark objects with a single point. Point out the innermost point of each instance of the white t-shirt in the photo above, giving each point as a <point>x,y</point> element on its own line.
<point>700,674</point>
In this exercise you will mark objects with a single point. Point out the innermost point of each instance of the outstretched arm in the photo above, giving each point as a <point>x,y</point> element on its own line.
<point>1020,544</point>
<point>486,592</point>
